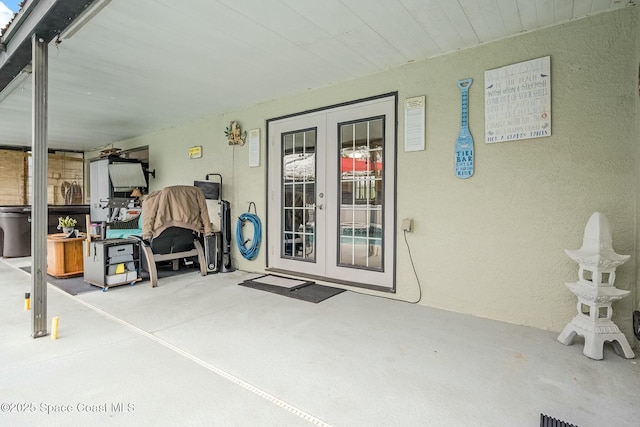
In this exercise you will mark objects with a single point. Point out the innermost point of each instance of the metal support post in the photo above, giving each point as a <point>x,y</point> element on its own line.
<point>39,187</point>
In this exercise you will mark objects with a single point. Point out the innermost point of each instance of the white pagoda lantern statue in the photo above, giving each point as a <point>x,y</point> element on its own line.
<point>596,292</point>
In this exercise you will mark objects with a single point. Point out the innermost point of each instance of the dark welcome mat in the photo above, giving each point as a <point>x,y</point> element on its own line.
<point>547,421</point>
<point>292,288</point>
<point>77,285</point>
<point>71,285</point>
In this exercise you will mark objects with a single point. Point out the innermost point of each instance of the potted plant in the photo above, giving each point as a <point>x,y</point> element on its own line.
<point>67,224</point>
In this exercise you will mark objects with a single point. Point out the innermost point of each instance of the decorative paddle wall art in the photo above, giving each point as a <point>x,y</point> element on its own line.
<point>518,101</point>
<point>464,143</point>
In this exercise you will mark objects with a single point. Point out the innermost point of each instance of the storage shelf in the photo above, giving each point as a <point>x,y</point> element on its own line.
<point>103,258</point>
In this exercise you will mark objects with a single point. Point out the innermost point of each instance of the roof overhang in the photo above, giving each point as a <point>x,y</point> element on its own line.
<point>46,18</point>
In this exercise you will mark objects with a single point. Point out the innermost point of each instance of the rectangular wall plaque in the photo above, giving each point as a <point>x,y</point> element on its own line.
<point>254,148</point>
<point>414,118</point>
<point>195,152</point>
<point>518,101</point>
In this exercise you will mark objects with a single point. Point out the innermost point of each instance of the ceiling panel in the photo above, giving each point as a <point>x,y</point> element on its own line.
<point>600,5</point>
<point>408,39</point>
<point>546,11</point>
<point>563,10</point>
<point>528,14</point>
<point>141,66</point>
<point>581,8</point>
<point>460,21</point>
<point>510,16</point>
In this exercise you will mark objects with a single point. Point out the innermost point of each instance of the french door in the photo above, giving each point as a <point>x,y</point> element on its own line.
<point>331,193</point>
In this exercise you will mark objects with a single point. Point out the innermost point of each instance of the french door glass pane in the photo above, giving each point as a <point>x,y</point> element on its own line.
<point>299,195</point>
<point>361,198</point>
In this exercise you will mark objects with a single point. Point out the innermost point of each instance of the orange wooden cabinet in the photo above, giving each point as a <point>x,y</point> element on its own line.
<point>64,255</point>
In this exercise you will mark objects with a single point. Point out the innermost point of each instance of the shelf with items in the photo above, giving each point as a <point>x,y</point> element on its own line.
<point>112,262</point>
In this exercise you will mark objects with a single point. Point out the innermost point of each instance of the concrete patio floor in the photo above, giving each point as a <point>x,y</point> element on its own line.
<point>204,351</point>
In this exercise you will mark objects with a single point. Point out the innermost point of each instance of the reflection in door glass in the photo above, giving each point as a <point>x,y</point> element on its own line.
<point>361,194</point>
<point>298,195</point>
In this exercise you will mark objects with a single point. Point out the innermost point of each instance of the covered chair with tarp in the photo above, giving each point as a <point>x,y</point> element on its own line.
<point>173,220</point>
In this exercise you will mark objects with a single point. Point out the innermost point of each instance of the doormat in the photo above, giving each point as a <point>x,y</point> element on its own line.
<point>71,285</point>
<point>547,421</point>
<point>292,288</point>
<point>280,281</point>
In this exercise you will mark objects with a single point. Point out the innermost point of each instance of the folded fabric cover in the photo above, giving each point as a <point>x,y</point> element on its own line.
<point>176,206</point>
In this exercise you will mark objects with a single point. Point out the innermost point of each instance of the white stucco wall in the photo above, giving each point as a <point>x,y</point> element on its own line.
<point>492,245</point>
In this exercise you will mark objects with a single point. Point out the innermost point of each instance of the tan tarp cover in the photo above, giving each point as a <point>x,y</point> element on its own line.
<point>177,206</point>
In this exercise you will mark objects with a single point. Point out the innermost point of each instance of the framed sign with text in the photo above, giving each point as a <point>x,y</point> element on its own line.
<point>518,101</point>
<point>195,152</point>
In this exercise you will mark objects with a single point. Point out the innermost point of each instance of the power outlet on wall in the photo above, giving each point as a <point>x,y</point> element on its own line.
<point>407,225</point>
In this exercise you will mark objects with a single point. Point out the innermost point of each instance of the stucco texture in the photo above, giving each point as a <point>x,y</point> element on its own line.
<point>492,245</point>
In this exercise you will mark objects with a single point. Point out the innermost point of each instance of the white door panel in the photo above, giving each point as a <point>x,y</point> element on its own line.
<point>295,221</point>
<point>362,234</point>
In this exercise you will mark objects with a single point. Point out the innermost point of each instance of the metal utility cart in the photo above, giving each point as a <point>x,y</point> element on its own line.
<point>111,262</point>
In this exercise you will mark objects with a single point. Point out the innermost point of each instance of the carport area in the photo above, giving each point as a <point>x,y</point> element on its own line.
<point>204,351</point>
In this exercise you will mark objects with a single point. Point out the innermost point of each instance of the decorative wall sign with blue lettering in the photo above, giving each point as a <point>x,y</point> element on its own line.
<point>518,101</point>
<point>464,143</point>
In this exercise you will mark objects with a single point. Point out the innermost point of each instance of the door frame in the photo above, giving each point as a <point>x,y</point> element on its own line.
<point>393,242</point>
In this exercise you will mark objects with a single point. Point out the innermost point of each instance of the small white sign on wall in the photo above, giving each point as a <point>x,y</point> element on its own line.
<point>518,101</point>
<point>254,148</point>
<point>414,118</point>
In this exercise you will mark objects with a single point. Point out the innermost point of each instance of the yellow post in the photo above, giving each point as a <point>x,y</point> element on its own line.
<point>54,328</point>
<point>27,301</point>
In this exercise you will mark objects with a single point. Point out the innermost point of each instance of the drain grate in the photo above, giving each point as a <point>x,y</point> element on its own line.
<point>547,421</point>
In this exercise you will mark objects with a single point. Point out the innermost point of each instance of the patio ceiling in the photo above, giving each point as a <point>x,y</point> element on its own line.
<point>140,66</point>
